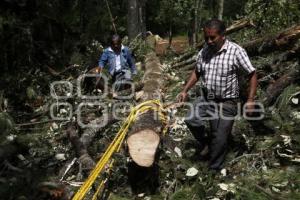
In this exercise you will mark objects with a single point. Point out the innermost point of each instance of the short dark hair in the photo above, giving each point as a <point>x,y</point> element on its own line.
<point>115,37</point>
<point>216,24</point>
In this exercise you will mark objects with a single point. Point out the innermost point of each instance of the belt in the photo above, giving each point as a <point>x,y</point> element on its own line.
<point>212,97</point>
<point>226,100</point>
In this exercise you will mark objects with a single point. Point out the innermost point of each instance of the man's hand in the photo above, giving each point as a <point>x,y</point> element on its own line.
<point>252,91</point>
<point>182,97</point>
<point>97,70</point>
<point>191,82</point>
<point>250,105</point>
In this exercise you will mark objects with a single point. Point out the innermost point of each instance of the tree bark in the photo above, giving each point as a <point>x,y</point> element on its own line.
<point>185,62</point>
<point>145,135</point>
<point>111,17</point>
<point>136,18</point>
<point>142,150</point>
<point>274,67</point>
<point>133,19</point>
<point>142,17</point>
<point>275,89</point>
<point>280,41</point>
<point>196,22</point>
<point>81,144</point>
<point>170,36</point>
<point>220,9</point>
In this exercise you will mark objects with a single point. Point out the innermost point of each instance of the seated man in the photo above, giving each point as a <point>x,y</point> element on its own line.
<point>120,63</point>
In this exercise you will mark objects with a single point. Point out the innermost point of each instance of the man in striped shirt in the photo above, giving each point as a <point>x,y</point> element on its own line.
<point>218,67</point>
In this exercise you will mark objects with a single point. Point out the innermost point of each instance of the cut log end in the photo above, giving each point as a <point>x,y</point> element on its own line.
<point>143,146</point>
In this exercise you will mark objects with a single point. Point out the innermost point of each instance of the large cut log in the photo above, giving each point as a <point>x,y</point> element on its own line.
<point>280,41</point>
<point>144,137</point>
<point>275,89</point>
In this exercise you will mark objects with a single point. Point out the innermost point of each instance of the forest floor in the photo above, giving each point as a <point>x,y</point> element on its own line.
<point>179,45</point>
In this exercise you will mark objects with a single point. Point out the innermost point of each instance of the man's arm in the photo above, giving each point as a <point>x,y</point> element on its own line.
<point>245,63</point>
<point>131,62</point>
<point>252,85</point>
<point>251,94</point>
<point>102,61</point>
<point>191,82</point>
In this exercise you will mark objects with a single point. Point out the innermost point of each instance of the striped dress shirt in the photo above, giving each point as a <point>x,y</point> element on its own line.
<point>219,71</point>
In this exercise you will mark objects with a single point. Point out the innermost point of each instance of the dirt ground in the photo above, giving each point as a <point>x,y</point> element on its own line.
<point>179,45</point>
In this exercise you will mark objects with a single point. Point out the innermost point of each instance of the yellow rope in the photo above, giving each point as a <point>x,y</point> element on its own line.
<point>117,143</point>
<point>101,185</point>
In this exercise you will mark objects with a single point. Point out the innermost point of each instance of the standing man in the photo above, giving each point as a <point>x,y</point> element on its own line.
<point>120,62</point>
<point>218,64</point>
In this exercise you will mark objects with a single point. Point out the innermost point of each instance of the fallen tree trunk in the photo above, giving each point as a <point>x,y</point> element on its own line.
<point>289,55</point>
<point>189,67</point>
<point>185,62</point>
<point>270,71</point>
<point>81,143</point>
<point>145,135</point>
<point>280,41</point>
<point>239,25</point>
<point>275,89</point>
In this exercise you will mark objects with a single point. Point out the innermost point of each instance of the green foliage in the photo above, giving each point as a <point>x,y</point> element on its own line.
<point>175,11</point>
<point>39,33</point>
<point>162,15</point>
<point>183,194</point>
<point>273,15</point>
<point>139,48</point>
<point>272,181</point>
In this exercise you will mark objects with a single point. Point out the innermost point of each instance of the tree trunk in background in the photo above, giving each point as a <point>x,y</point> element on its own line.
<point>111,17</point>
<point>196,22</point>
<point>220,9</point>
<point>136,18</point>
<point>142,17</point>
<point>133,19</point>
<point>170,36</point>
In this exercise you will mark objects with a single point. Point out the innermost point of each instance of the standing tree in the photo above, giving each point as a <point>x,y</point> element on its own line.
<point>173,13</point>
<point>136,18</point>
<point>220,9</point>
<point>198,5</point>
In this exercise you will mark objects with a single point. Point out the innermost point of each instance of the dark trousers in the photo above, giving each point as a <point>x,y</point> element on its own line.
<point>220,115</point>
